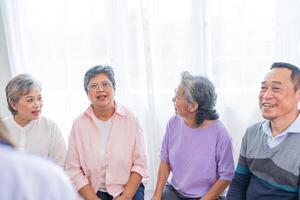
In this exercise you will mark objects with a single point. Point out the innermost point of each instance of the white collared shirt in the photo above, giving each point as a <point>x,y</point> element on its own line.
<point>40,137</point>
<point>273,141</point>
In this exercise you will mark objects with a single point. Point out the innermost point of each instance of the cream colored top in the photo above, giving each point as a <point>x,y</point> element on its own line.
<point>40,137</point>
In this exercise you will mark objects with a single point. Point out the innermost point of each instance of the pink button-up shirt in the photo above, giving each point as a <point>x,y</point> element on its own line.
<point>125,152</point>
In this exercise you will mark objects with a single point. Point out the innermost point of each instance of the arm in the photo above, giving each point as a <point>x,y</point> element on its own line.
<point>58,149</point>
<point>239,184</point>
<point>238,187</point>
<point>164,167</point>
<point>139,168</point>
<point>216,190</point>
<point>87,193</point>
<point>131,187</point>
<point>225,166</point>
<point>163,174</point>
<point>74,169</point>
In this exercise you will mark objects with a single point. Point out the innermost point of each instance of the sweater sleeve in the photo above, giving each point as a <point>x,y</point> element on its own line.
<point>241,179</point>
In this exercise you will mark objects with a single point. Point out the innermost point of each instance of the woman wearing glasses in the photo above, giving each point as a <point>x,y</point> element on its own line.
<point>196,148</point>
<point>33,133</point>
<point>106,157</point>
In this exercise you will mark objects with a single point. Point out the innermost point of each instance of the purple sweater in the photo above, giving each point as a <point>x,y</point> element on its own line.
<point>197,156</point>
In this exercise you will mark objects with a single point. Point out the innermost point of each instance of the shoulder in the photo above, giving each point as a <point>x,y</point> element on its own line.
<point>218,124</point>
<point>82,118</point>
<point>173,122</point>
<point>46,122</point>
<point>124,113</point>
<point>33,171</point>
<point>254,129</point>
<point>175,119</point>
<point>221,130</point>
<point>48,125</point>
<point>8,120</point>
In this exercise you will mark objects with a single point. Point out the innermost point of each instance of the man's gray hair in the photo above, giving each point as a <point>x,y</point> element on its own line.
<point>94,71</point>
<point>20,85</point>
<point>200,90</point>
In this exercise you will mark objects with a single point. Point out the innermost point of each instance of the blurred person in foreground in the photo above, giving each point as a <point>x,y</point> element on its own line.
<point>25,176</point>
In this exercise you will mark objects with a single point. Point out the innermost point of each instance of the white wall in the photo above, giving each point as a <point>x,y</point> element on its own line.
<point>5,74</point>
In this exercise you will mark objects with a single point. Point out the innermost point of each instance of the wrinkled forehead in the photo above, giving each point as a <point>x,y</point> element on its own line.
<point>180,89</point>
<point>278,75</point>
<point>32,92</point>
<point>99,78</point>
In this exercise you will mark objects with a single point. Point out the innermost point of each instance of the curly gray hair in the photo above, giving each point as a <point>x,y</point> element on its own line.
<point>200,90</point>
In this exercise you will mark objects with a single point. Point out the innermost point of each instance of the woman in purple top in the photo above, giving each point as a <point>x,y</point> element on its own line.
<point>197,148</point>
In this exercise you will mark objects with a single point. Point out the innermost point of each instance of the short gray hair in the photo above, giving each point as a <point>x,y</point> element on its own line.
<point>20,85</point>
<point>94,71</point>
<point>200,90</point>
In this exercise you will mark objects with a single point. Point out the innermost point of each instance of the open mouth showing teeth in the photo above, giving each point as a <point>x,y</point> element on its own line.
<point>101,96</point>
<point>268,105</point>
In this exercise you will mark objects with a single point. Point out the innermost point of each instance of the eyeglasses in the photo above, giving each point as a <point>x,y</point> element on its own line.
<point>103,85</point>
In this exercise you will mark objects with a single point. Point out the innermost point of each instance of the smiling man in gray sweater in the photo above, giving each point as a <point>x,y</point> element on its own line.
<point>269,162</point>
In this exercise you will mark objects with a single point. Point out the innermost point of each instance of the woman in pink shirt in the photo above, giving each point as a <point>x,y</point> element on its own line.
<point>106,158</point>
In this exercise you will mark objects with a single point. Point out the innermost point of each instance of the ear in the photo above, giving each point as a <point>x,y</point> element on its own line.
<point>193,107</point>
<point>298,95</point>
<point>13,105</point>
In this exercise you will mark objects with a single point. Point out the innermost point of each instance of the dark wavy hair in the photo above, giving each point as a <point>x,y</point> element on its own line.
<point>200,90</point>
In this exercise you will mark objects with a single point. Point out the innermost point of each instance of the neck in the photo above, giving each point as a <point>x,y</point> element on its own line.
<point>104,113</point>
<point>190,121</point>
<point>21,121</point>
<point>279,125</point>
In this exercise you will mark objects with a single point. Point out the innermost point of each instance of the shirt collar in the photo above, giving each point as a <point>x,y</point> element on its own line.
<point>293,128</point>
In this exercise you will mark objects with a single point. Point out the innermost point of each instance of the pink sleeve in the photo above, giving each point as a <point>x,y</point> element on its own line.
<point>139,154</point>
<point>73,165</point>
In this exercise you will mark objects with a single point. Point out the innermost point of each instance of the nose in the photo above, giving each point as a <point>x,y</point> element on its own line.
<point>37,104</point>
<point>99,87</point>
<point>268,93</point>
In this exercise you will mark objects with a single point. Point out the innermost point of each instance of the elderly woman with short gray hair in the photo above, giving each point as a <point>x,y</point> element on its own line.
<point>197,148</point>
<point>32,132</point>
<point>106,158</point>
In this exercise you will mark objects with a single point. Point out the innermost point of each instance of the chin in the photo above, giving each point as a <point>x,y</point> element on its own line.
<point>269,117</point>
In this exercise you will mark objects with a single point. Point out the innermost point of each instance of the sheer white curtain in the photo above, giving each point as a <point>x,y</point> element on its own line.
<point>149,42</point>
<point>245,38</point>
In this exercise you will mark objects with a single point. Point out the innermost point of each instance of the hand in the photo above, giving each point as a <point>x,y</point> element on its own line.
<point>156,197</point>
<point>122,197</point>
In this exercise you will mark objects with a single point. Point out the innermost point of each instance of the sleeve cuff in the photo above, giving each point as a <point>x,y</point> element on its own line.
<point>140,170</point>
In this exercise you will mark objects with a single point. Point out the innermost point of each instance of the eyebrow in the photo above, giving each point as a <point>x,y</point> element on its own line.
<point>276,82</point>
<point>32,96</point>
<point>105,81</point>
